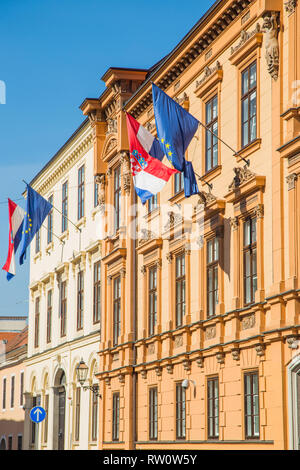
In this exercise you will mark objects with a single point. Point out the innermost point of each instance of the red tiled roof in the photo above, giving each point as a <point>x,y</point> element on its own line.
<point>19,340</point>
<point>8,335</point>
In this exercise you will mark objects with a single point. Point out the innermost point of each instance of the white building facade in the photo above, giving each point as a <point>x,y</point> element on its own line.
<point>64,301</point>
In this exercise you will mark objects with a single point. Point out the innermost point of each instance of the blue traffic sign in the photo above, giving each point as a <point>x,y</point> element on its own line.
<point>37,414</point>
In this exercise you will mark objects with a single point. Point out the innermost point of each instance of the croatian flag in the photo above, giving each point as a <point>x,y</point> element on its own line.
<point>149,174</point>
<point>16,219</point>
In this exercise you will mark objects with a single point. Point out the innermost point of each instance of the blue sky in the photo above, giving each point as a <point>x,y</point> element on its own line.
<point>52,55</point>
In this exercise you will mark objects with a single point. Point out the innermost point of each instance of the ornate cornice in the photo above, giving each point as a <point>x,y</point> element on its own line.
<point>64,162</point>
<point>202,43</point>
<point>245,36</point>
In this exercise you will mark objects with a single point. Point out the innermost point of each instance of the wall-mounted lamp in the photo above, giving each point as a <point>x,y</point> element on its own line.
<point>186,383</point>
<point>81,373</point>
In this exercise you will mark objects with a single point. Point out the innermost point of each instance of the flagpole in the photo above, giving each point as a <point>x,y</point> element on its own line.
<point>62,241</point>
<point>78,228</point>
<point>219,138</point>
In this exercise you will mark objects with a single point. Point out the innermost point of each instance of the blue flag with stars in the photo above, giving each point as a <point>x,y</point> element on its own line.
<point>37,210</point>
<point>175,129</point>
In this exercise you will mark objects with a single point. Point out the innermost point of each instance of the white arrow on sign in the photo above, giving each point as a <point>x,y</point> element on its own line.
<point>37,412</point>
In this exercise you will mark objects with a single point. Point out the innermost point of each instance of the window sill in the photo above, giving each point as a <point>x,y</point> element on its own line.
<point>153,213</point>
<point>211,174</point>
<point>95,211</point>
<point>81,222</point>
<point>178,197</point>
<point>37,256</point>
<point>248,150</point>
<point>49,248</point>
<point>64,235</point>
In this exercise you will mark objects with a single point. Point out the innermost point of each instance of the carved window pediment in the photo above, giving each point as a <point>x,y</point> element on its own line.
<point>249,41</point>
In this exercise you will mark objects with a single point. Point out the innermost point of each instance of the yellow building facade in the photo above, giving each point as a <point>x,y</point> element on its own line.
<point>200,320</point>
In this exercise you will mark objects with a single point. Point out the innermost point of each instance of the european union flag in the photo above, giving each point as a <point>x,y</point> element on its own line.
<point>175,129</point>
<point>36,211</point>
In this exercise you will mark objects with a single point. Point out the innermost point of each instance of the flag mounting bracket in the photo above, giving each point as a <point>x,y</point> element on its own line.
<point>202,179</point>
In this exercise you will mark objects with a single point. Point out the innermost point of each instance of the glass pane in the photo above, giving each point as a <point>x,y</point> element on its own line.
<point>256,425</point>
<point>245,134</point>
<point>253,75</point>
<point>247,232</point>
<point>244,82</point>
<point>208,112</point>
<point>215,107</point>
<point>245,110</point>
<point>252,128</point>
<point>253,104</point>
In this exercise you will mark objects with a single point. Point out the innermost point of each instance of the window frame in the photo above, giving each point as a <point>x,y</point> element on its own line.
<point>49,315</point>
<point>178,185</point>
<point>81,192</point>
<point>153,413</point>
<point>180,415</point>
<point>64,206</point>
<point>97,292</point>
<point>116,416</point>
<point>80,299</point>
<point>116,310</point>
<point>63,307</point>
<point>77,413</point>
<point>181,282</point>
<point>251,248</point>
<point>37,307</point>
<point>212,266</point>
<point>117,188</point>
<point>209,127</point>
<point>244,97</point>
<point>152,299</point>
<point>252,436</point>
<point>215,418</point>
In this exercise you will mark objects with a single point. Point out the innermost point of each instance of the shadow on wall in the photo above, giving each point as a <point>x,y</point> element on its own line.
<point>13,429</point>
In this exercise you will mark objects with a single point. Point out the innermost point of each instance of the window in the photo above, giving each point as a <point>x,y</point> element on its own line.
<point>213,408</point>
<point>10,439</point>
<point>37,322</point>
<point>77,413</point>
<point>212,276</point>
<point>46,407</point>
<point>249,255</point>
<point>80,211</point>
<point>95,414</point>
<point>97,292</point>
<point>153,413</point>
<point>117,310</point>
<point>180,411</point>
<point>49,315</point>
<point>80,291</point>
<point>211,141</point>
<point>63,307</point>
<point>64,207</point>
<point>248,104</point>
<point>178,182</point>
<point>4,394</point>
<point>152,299</point>
<point>37,241</point>
<point>12,392</point>
<point>152,203</point>
<point>251,405</point>
<point>21,387</point>
<point>95,194</point>
<point>20,442</point>
<point>180,289</point>
<point>116,416</point>
<point>50,222</point>
<point>117,196</point>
